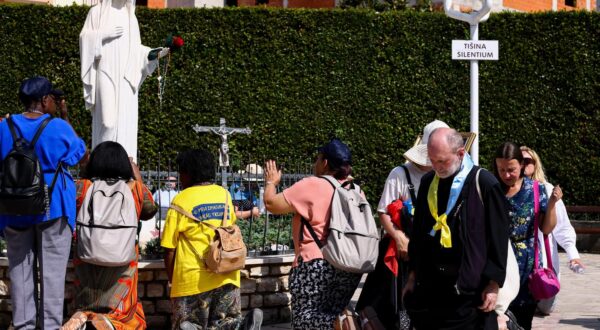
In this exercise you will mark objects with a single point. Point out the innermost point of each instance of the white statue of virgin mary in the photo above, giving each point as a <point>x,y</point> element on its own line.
<point>114,63</point>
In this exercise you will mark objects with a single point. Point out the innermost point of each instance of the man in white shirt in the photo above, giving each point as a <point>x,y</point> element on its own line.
<point>162,198</point>
<point>397,186</point>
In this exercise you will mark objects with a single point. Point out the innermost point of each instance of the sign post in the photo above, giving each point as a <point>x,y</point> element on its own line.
<point>473,51</point>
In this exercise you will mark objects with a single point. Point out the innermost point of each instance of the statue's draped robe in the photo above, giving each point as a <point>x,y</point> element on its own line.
<point>112,72</point>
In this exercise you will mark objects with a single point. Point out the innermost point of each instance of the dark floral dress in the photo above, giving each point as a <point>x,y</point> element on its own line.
<point>522,218</point>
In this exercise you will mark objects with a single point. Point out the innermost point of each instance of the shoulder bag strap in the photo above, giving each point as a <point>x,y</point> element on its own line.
<point>546,242</point>
<point>411,186</point>
<point>536,222</point>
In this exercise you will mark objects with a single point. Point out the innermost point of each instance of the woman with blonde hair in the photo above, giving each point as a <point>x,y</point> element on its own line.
<point>563,233</point>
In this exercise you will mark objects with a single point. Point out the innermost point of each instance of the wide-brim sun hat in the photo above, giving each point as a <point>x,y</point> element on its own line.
<point>418,153</point>
<point>253,173</point>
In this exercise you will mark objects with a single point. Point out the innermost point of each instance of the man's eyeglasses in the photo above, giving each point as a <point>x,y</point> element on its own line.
<point>528,161</point>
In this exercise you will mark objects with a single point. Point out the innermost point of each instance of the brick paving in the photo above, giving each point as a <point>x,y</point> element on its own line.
<point>578,304</point>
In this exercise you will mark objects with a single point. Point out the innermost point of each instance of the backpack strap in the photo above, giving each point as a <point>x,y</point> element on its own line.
<point>225,210</point>
<point>303,222</point>
<point>311,230</point>
<point>332,181</point>
<point>411,186</point>
<point>56,173</point>
<point>181,211</point>
<point>11,126</point>
<point>39,131</point>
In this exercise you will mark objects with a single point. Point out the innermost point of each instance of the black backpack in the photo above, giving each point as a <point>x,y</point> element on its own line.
<point>22,187</point>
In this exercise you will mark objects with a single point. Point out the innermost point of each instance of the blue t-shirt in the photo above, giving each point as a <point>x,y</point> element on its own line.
<point>58,143</point>
<point>239,192</point>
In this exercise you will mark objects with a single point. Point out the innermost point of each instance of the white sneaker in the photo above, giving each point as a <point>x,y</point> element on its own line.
<point>253,320</point>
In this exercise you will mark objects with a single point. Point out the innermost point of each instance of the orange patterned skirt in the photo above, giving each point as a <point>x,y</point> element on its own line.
<point>106,297</point>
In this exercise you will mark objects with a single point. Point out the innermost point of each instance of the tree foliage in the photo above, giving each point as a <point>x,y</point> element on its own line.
<point>295,77</point>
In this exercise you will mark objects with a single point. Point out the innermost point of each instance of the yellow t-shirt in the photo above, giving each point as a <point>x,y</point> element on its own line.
<point>190,275</point>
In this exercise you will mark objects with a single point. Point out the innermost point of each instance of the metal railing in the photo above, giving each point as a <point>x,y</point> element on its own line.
<point>266,234</point>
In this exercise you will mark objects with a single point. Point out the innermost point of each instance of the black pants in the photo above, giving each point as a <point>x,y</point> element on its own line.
<point>444,309</point>
<point>378,293</point>
<point>524,314</point>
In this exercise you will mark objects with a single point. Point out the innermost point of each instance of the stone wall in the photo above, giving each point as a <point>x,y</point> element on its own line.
<point>264,285</point>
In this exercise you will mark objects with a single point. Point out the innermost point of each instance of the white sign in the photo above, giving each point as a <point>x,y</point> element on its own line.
<point>475,50</point>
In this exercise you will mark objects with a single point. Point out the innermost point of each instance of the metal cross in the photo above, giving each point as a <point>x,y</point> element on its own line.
<point>223,131</point>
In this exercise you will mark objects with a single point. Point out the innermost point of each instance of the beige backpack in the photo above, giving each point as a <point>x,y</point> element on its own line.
<point>227,251</point>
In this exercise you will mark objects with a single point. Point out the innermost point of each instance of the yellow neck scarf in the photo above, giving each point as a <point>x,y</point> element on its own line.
<point>440,220</point>
<point>455,189</point>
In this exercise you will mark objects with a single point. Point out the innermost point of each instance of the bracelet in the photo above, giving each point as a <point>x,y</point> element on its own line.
<point>270,182</point>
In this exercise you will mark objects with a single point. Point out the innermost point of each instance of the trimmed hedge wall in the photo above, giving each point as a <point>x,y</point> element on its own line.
<point>298,76</point>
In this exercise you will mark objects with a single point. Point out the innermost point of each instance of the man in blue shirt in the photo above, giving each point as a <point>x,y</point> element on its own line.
<point>46,238</point>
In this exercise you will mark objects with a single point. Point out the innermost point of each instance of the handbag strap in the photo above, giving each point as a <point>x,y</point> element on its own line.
<point>536,206</point>
<point>548,258</point>
<point>536,222</point>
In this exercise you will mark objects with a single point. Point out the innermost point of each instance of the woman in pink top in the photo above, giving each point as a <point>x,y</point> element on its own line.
<point>319,291</point>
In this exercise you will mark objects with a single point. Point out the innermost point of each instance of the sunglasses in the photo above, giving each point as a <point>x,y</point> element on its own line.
<point>528,161</point>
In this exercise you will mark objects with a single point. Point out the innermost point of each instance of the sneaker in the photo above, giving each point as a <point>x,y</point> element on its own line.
<point>253,320</point>
<point>187,325</point>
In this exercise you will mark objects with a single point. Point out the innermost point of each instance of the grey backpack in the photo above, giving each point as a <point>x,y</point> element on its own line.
<point>107,224</point>
<point>353,241</point>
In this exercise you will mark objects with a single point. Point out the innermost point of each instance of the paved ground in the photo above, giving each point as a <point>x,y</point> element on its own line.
<point>578,301</point>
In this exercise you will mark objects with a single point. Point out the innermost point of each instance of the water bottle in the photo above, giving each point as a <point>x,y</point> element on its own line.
<point>409,205</point>
<point>576,268</point>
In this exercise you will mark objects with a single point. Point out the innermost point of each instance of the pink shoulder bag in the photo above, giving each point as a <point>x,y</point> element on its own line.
<point>543,282</point>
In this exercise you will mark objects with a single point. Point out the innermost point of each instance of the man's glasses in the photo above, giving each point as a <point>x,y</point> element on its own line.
<point>528,161</point>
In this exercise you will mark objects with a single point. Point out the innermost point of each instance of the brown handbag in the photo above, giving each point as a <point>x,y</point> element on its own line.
<point>227,251</point>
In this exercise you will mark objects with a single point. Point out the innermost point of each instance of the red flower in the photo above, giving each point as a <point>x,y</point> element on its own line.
<point>177,43</point>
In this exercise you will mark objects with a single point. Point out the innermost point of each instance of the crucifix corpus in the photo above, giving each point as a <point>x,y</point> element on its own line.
<point>223,131</point>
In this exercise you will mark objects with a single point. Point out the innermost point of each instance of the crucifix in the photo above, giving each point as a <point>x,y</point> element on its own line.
<point>223,131</point>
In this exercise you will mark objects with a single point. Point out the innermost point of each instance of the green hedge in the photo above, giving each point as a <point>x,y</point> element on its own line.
<point>298,76</point>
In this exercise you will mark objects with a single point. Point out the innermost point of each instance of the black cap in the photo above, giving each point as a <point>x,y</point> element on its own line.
<point>33,89</point>
<point>336,152</point>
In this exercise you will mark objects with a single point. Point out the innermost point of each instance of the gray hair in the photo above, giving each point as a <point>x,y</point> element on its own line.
<point>453,138</point>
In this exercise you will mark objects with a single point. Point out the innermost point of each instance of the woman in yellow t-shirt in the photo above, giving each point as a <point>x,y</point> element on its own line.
<point>200,297</point>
